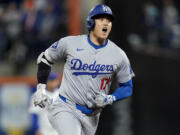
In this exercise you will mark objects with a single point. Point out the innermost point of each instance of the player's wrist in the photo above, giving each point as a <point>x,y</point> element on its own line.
<point>41,86</point>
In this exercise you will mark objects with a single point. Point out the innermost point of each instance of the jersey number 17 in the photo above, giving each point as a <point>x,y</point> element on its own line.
<point>104,83</point>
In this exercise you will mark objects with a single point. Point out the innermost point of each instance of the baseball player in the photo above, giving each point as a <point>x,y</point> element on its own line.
<point>40,120</point>
<point>92,61</point>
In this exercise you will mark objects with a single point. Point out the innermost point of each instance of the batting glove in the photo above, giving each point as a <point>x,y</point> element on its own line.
<point>40,98</point>
<point>102,99</point>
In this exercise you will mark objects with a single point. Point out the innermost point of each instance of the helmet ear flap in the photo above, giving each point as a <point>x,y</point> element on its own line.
<point>90,24</point>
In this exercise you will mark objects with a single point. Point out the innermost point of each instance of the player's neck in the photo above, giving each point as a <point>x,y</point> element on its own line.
<point>96,40</point>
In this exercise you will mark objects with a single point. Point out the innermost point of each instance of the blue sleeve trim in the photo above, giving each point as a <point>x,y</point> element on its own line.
<point>125,90</point>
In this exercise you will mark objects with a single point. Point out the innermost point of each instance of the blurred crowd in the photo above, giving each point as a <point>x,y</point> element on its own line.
<point>27,27</point>
<point>160,25</point>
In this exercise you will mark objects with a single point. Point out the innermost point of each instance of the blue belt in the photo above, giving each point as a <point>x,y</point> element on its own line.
<point>83,109</point>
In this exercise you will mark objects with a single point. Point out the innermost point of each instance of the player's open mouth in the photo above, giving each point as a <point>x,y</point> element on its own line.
<point>104,29</point>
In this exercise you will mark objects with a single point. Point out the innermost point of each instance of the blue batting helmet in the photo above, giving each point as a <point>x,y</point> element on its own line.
<point>53,76</point>
<point>100,9</point>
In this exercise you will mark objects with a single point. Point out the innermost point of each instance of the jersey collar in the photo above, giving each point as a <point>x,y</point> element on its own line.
<point>96,46</point>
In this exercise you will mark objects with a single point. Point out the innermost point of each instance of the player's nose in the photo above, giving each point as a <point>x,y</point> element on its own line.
<point>106,22</point>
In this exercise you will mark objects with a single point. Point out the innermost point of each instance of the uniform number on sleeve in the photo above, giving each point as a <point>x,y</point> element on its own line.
<point>104,83</point>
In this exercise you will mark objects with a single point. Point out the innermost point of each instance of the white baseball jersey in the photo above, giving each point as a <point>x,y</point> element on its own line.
<point>89,68</point>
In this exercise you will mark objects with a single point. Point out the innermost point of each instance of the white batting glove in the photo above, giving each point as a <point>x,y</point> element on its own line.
<point>40,98</point>
<point>102,99</point>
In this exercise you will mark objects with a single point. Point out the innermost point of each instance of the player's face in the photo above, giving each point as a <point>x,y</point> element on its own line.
<point>102,28</point>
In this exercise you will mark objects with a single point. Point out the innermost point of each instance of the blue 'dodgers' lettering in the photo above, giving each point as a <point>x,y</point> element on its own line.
<point>87,69</point>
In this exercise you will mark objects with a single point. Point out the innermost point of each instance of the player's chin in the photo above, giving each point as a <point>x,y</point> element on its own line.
<point>104,36</point>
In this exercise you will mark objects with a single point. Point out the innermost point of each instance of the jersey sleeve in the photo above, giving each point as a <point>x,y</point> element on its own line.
<point>56,51</point>
<point>124,72</point>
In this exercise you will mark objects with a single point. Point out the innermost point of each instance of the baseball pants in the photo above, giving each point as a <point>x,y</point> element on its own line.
<point>68,120</point>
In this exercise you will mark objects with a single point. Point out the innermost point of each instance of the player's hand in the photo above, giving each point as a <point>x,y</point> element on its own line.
<point>102,99</point>
<point>40,98</point>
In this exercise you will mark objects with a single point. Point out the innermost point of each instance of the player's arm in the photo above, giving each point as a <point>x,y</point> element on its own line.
<point>124,77</point>
<point>124,91</point>
<point>44,68</point>
<point>45,61</point>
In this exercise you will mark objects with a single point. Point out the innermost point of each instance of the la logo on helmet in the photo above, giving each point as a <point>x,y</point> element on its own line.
<point>105,9</point>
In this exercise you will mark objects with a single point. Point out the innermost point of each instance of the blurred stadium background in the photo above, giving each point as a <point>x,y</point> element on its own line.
<point>148,30</point>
